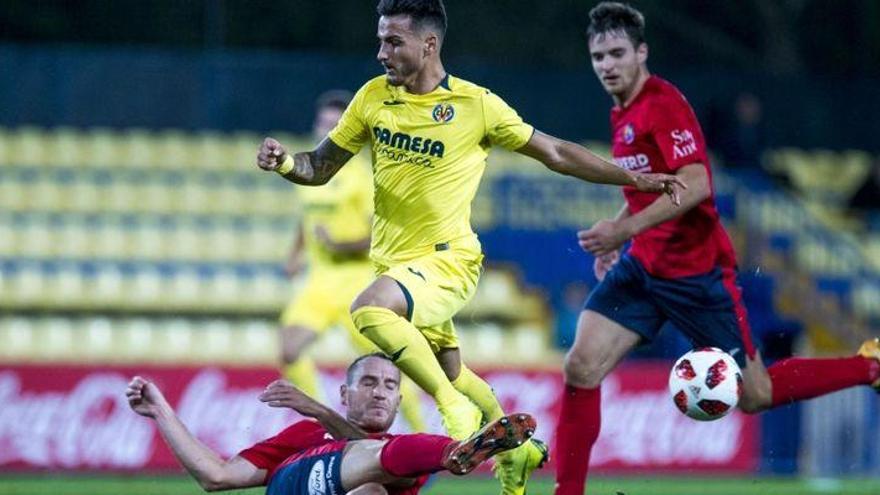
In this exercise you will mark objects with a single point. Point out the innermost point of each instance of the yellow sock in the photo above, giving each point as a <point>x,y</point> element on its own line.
<point>304,374</point>
<point>479,392</point>
<point>410,406</point>
<point>409,350</point>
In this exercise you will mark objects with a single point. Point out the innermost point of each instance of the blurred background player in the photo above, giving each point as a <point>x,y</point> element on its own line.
<point>681,266</point>
<point>333,245</point>
<point>353,454</point>
<point>430,134</point>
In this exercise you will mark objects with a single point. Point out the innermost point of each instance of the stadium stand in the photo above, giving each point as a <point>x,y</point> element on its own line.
<point>176,228</point>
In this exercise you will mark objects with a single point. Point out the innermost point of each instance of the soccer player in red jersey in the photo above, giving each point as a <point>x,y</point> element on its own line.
<point>333,455</point>
<point>680,267</point>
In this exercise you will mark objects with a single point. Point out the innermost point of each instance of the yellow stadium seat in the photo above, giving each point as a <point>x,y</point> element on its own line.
<point>12,195</point>
<point>64,147</point>
<point>195,198</point>
<point>57,340</point>
<point>18,340</point>
<point>9,245</point>
<point>174,150</point>
<point>111,243</point>
<point>213,341</point>
<point>69,287</point>
<point>487,338</point>
<point>38,241</point>
<point>258,342</point>
<point>529,341</point>
<point>147,244</point>
<point>147,289</point>
<point>186,290</point>
<point>27,286</point>
<point>27,146</point>
<point>81,196</point>
<point>136,340</point>
<point>73,241</point>
<point>243,148</point>
<point>108,289</point>
<point>225,289</point>
<point>173,341</point>
<point>101,148</point>
<point>96,340</point>
<point>212,151</point>
<point>137,149</point>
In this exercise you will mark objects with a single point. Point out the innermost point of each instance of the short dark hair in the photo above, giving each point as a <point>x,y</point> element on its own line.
<point>353,367</point>
<point>334,98</point>
<point>422,12</point>
<point>616,16</point>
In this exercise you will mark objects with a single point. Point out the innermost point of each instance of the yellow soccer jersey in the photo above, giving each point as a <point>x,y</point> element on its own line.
<point>343,206</point>
<point>429,153</point>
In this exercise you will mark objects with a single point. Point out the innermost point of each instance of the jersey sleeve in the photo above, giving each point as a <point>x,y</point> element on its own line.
<point>504,127</point>
<point>677,133</point>
<point>352,132</point>
<point>271,452</point>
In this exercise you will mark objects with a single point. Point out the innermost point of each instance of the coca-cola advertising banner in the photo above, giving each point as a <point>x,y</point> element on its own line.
<point>77,417</point>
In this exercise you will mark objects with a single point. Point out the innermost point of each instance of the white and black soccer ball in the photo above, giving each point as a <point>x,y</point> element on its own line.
<point>705,384</point>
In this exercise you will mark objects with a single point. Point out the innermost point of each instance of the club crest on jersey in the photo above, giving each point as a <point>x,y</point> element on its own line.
<point>629,134</point>
<point>443,113</point>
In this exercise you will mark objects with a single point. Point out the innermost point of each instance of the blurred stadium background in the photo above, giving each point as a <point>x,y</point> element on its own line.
<point>136,233</point>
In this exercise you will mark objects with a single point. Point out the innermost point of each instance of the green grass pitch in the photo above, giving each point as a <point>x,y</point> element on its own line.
<point>476,485</point>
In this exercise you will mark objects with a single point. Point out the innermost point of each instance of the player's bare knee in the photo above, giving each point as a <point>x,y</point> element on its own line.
<point>582,371</point>
<point>383,293</point>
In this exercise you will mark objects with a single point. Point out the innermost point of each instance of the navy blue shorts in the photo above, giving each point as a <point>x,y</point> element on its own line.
<point>707,308</point>
<point>312,475</point>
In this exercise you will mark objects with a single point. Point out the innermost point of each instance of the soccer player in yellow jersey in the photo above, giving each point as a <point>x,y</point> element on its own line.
<point>429,135</point>
<point>333,244</point>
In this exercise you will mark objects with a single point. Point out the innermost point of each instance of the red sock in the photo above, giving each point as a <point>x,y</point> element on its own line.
<point>410,456</point>
<point>797,379</point>
<point>576,432</point>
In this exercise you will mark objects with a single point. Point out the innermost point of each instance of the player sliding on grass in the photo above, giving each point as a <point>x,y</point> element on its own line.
<point>429,134</point>
<point>680,267</point>
<point>333,455</point>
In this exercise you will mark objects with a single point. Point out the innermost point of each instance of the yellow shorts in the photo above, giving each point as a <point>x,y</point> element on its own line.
<point>324,299</point>
<point>437,286</point>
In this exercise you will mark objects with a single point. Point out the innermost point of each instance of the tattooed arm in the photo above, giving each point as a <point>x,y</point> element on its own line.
<point>312,168</point>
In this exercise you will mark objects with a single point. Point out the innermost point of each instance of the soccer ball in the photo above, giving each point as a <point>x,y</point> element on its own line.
<point>705,384</point>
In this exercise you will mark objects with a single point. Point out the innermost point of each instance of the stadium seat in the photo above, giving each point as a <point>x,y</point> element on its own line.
<point>173,341</point>
<point>57,340</point>
<point>17,338</point>
<point>213,341</point>
<point>63,148</point>
<point>135,340</point>
<point>26,147</point>
<point>101,148</point>
<point>258,342</point>
<point>174,151</point>
<point>137,149</point>
<point>96,340</point>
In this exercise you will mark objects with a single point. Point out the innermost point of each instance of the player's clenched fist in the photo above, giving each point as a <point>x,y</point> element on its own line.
<point>145,398</point>
<point>271,154</point>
